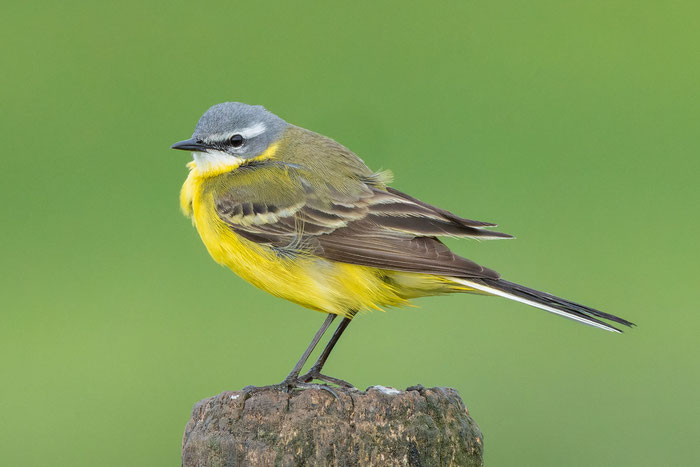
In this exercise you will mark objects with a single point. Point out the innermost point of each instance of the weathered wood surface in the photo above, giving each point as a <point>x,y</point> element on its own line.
<point>381,426</point>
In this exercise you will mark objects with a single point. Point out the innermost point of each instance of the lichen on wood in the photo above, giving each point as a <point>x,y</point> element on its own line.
<point>381,426</point>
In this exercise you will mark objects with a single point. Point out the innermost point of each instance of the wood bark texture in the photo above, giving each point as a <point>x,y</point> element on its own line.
<point>381,426</point>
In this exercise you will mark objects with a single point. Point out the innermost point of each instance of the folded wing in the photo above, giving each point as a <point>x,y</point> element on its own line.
<point>353,221</point>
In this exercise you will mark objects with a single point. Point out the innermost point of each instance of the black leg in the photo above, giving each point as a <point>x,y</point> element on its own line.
<point>294,374</point>
<point>293,381</point>
<point>315,371</point>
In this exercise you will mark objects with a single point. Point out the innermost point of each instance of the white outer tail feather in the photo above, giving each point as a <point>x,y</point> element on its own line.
<point>500,293</point>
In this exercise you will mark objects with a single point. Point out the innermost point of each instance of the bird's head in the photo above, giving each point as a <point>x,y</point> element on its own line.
<point>230,134</point>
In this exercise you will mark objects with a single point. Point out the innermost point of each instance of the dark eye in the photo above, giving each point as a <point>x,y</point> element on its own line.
<point>236,141</point>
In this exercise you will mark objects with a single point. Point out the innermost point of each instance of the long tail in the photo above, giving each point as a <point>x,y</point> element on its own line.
<point>544,301</point>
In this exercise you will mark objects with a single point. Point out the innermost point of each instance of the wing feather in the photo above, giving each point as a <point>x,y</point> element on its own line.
<point>358,223</point>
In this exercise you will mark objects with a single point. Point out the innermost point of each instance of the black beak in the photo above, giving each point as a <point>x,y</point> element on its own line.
<point>192,144</point>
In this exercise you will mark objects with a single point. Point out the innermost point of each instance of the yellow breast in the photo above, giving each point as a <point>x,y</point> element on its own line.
<point>310,281</point>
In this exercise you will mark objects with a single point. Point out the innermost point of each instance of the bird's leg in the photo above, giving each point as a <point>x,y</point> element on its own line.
<point>293,375</point>
<point>315,371</point>
<point>292,380</point>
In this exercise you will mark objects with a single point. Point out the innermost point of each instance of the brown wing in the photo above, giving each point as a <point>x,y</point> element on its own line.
<point>360,223</point>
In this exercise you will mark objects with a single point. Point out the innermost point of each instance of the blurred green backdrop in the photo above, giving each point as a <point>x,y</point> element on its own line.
<point>573,124</point>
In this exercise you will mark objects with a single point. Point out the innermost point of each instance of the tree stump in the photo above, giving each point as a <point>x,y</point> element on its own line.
<point>381,426</point>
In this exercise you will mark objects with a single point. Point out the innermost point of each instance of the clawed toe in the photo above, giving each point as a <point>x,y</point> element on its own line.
<point>312,375</point>
<point>304,382</point>
<point>250,390</point>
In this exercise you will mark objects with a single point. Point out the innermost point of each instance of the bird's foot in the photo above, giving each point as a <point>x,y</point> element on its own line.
<point>315,374</point>
<point>291,384</point>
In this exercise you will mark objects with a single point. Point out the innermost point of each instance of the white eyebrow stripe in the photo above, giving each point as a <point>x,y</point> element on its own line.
<point>250,132</point>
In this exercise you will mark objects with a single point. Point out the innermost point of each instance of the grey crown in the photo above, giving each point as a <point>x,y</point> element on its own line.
<point>234,116</point>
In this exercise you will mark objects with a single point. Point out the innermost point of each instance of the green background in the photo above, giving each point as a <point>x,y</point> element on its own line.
<point>572,124</point>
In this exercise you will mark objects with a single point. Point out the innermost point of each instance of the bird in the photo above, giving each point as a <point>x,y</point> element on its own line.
<point>303,218</point>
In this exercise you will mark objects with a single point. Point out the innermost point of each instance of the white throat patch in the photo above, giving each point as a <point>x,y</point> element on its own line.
<point>214,161</point>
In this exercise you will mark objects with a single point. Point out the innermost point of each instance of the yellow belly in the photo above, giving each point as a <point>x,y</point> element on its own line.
<point>310,281</point>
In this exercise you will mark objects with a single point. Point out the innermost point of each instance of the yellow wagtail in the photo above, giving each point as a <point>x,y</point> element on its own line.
<point>303,218</point>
